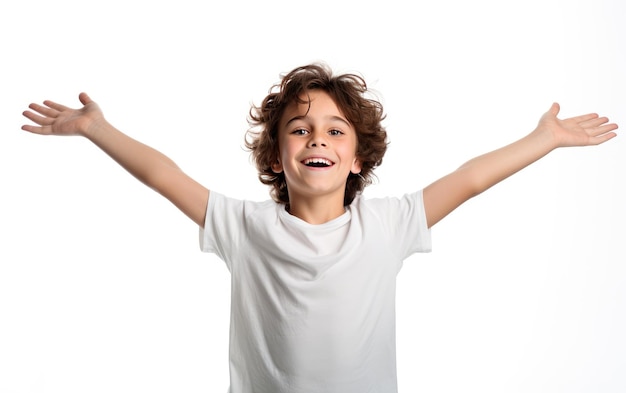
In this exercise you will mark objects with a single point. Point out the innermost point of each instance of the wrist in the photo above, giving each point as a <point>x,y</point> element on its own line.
<point>545,138</point>
<point>91,129</point>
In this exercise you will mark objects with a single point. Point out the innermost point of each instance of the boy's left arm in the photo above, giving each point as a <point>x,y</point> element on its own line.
<point>482,172</point>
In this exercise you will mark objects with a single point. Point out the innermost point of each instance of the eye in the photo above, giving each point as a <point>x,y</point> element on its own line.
<point>300,131</point>
<point>335,132</point>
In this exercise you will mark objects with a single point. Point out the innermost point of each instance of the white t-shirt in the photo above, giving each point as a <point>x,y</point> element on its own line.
<point>313,306</point>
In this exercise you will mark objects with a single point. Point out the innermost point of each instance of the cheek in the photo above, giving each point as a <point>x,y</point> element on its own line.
<point>356,163</point>
<point>288,151</point>
<point>283,157</point>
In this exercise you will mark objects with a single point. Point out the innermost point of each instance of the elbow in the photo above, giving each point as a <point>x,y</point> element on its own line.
<point>160,179</point>
<point>475,182</point>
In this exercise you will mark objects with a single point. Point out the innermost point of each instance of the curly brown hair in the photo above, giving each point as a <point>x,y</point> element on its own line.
<point>349,93</point>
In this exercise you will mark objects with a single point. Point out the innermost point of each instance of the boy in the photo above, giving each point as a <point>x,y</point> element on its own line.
<point>313,271</point>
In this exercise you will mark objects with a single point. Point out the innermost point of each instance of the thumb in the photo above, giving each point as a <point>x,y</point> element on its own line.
<point>84,98</point>
<point>555,109</point>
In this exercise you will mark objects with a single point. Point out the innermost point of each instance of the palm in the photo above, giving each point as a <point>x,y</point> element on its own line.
<point>57,119</point>
<point>582,130</point>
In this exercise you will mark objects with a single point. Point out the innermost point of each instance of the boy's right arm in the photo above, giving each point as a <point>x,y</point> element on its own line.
<point>145,163</point>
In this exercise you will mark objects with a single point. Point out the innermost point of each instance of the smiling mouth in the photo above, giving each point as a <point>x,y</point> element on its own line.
<point>317,162</point>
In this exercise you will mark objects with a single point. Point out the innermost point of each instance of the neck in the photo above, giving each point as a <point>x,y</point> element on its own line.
<point>316,210</point>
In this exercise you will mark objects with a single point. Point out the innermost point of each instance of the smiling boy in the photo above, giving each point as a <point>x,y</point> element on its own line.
<point>317,151</point>
<point>313,271</point>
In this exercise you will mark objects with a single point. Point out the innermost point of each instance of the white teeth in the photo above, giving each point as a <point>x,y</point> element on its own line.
<point>316,160</point>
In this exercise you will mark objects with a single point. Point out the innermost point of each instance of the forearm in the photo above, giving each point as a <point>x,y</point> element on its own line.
<point>145,163</point>
<point>482,172</point>
<point>491,168</point>
<point>140,160</point>
<point>152,168</point>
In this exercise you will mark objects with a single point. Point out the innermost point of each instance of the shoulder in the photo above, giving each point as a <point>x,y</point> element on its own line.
<point>229,221</point>
<point>221,204</point>
<point>406,201</point>
<point>390,212</point>
<point>399,220</point>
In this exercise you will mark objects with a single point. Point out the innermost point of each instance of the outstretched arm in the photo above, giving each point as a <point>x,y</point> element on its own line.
<point>482,172</point>
<point>145,163</point>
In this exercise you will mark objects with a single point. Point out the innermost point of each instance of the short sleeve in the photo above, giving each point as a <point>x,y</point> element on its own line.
<point>403,223</point>
<point>207,243</point>
<point>222,230</point>
<point>424,239</point>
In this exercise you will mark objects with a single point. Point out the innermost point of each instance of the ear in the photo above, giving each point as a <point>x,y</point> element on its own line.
<point>356,166</point>
<point>277,167</point>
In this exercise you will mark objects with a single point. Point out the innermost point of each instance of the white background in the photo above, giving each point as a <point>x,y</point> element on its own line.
<point>102,284</point>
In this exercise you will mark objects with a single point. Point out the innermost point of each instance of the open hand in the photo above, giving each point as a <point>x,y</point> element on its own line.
<point>584,130</point>
<point>57,119</point>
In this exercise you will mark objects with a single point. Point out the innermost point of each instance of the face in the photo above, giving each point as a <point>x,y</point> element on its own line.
<point>317,148</point>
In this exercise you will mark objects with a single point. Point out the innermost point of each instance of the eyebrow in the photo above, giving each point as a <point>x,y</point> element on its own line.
<point>331,118</point>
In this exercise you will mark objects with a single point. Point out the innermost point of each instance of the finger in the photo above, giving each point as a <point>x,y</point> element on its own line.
<point>591,123</point>
<point>44,110</point>
<point>36,129</point>
<point>555,109</point>
<point>603,138</point>
<point>41,120</point>
<point>84,98</point>
<point>583,118</point>
<point>55,106</point>
<point>605,129</point>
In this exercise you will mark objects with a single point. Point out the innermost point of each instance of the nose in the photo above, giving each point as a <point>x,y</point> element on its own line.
<point>317,139</point>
